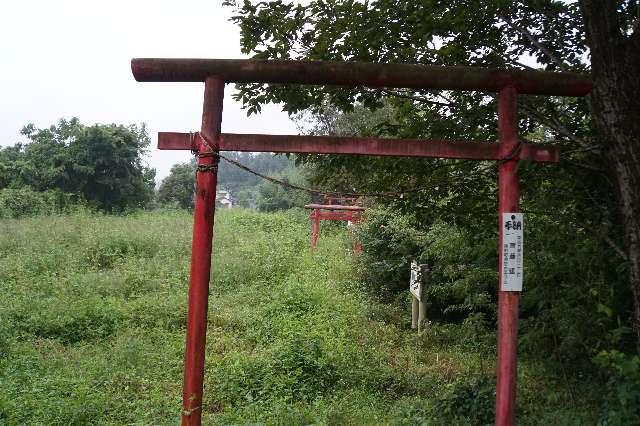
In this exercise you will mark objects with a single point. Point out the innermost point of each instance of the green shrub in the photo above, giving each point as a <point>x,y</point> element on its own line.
<point>71,322</point>
<point>5,337</point>
<point>298,369</point>
<point>304,368</point>
<point>468,400</point>
<point>104,253</point>
<point>463,401</point>
<point>166,311</point>
<point>390,241</point>
<point>15,203</point>
<point>622,402</point>
<point>574,298</point>
<point>462,277</point>
<point>6,410</point>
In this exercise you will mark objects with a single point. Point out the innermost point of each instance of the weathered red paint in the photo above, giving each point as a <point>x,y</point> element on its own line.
<point>508,195</point>
<point>334,207</point>
<point>344,216</point>
<point>205,202</point>
<point>415,76</point>
<point>333,212</point>
<point>433,148</point>
<point>344,200</point>
<point>315,227</point>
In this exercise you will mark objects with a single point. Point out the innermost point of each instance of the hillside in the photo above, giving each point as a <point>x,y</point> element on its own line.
<point>92,317</point>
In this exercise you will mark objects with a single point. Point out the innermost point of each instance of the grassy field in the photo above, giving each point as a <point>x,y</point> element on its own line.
<point>92,319</point>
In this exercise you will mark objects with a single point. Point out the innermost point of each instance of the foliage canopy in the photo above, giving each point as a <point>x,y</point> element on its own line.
<point>102,163</point>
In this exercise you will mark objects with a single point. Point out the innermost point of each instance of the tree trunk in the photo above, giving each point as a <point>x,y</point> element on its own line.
<point>615,104</point>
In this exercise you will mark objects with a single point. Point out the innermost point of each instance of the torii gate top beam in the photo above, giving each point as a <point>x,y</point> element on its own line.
<point>334,207</point>
<point>401,75</point>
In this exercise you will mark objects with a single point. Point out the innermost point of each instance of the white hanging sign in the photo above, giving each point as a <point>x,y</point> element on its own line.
<point>415,282</point>
<point>511,269</point>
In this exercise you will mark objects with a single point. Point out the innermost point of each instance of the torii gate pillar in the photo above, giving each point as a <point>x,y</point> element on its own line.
<point>206,147</point>
<point>508,196</point>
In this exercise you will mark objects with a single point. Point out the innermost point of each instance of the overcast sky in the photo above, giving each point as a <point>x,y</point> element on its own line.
<point>71,58</point>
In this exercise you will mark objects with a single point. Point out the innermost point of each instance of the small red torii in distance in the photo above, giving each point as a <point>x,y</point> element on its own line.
<point>209,141</point>
<point>338,212</point>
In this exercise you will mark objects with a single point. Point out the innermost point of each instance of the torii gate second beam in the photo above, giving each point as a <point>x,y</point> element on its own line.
<point>206,144</point>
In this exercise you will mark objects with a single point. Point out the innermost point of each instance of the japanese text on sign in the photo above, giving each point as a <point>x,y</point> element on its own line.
<point>511,270</point>
<point>415,283</point>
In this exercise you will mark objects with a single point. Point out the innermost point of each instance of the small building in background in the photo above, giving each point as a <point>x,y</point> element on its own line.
<point>224,199</point>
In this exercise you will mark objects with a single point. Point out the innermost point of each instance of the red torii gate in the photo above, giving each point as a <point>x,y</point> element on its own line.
<point>209,141</point>
<point>333,212</point>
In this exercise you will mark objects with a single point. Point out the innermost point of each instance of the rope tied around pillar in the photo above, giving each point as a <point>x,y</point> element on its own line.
<point>210,152</point>
<point>202,168</point>
<point>515,152</point>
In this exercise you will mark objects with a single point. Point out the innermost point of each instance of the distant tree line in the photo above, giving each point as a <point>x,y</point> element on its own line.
<point>247,189</point>
<point>101,165</point>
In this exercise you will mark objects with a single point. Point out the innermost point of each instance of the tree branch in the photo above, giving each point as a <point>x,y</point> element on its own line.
<point>554,125</point>
<point>525,66</point>
<point>415,98</point>
<point>584,166</point>
<point>615,247</point>
<point>541,47</point>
